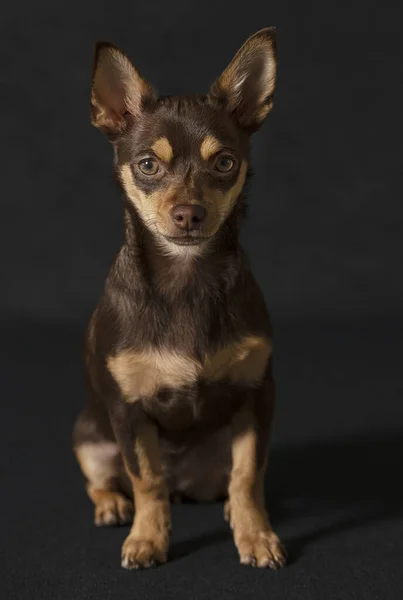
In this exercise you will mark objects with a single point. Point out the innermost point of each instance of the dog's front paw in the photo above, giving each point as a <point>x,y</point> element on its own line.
<point>141,554</point>
<point>261,549</point>
<point>113,509</point>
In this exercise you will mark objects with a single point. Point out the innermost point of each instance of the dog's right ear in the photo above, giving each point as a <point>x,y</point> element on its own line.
<point>118,91</point>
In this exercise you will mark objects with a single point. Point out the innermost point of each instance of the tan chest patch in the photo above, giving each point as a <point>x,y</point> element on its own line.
<point>142,374</point>
<point>240,362</point>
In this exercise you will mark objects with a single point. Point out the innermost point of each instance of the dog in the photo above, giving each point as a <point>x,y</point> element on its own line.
<point>178,352</point>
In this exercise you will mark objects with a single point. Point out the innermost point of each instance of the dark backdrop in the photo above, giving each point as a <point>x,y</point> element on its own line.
<point>324,235</point>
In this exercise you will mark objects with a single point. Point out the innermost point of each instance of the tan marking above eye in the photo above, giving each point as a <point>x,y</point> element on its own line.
<point>209,146</point>
<point>163,149</point>
<point>143,374</point>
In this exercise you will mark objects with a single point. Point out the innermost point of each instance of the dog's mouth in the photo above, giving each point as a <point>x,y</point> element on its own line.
<point>186,240</point>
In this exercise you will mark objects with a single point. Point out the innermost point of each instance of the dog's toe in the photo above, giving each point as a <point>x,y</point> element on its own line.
<point>263,550</point>
<point>113,509</point>
<point>142,554</point>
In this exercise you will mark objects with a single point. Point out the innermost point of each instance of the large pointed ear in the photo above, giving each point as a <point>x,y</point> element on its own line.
<point>118,91</point>
<point>246,87</point>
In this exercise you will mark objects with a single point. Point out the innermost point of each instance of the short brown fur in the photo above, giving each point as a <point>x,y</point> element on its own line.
<point>149,536</point>
<point>142,374</point>
<point>178,351</point>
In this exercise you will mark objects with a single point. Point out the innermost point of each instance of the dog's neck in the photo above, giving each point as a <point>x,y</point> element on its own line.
<point>171,268</point>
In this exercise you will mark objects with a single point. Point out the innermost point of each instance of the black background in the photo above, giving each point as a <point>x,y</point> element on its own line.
<point>324,235</point>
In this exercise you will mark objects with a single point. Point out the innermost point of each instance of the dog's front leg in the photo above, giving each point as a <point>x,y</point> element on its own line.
<point>254,537</point>
<point>148,540</point>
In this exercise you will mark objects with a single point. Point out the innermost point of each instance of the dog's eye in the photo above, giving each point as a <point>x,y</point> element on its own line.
<point>148,166</point>
<point>224,164</point>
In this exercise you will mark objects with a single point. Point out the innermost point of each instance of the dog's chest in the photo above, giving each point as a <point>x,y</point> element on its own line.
<point>172,379</point>
<point>198,408</point>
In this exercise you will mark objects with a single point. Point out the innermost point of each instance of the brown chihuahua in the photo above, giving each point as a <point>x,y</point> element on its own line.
<point>178,351</point>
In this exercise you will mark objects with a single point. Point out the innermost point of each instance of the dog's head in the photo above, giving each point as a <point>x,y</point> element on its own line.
<point>183,161</point>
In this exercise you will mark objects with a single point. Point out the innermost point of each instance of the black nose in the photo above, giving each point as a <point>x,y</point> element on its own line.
<point>188,216</point>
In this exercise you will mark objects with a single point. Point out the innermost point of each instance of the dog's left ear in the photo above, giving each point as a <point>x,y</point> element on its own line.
<point>246,87</point>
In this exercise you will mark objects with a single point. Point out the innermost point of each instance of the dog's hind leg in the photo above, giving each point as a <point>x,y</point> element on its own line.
<point>101,463</point>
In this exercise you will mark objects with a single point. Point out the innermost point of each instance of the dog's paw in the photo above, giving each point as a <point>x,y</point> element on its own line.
<point>142,554</point>
<point>262,549</point>
<point>113,509</point>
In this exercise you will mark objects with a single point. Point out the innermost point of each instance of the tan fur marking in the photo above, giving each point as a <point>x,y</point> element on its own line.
<point>163,149</point>
<point>240,362</point>
<point>141,374</point>
<point>244,456</point>
<point>155,208</point>
<point>243,506</point>
<point>225,201</point>
<point>149,461</point>
<point>209,146</point>
<point>99,462</point>
<point>134,193</point>
<point>149,537</point>
<point>254,537</point>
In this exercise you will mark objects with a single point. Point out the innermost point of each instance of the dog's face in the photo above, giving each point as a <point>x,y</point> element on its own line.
<point>183,161</point>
